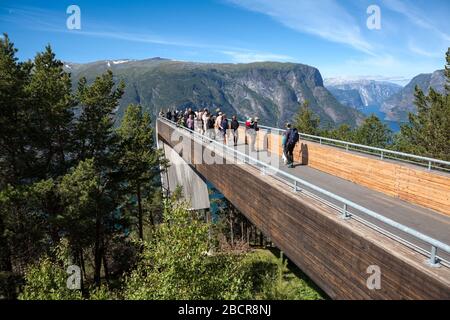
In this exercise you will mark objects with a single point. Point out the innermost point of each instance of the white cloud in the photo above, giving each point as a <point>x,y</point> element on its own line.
<point>415,16</point>
<point>247,57</point>
<point>423,52</point>
<point>324,18</point>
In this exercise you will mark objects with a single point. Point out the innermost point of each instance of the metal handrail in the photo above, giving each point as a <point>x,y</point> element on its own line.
<point>382,152</point>
<point>435,244</point>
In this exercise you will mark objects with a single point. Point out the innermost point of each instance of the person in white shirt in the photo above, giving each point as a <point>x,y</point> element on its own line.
<point>218,123</point>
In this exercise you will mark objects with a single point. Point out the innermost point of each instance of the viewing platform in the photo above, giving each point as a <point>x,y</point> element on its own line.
<point>339,214</point>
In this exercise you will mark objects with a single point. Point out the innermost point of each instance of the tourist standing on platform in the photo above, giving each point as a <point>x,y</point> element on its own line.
<point>224,128</point>
<point>210,121</point>
<point>169,115</point>
<point>205,118</point>
<point>248,125</point>
<point>235,130</point>
<point>218,123</point>
<point>199,122</point>
<point>190,123</point>
<point>250,133</point>
<point>256,128</point>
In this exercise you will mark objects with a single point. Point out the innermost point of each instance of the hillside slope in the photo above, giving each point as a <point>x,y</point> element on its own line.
<point>272,91</point>
<point>401,104</point>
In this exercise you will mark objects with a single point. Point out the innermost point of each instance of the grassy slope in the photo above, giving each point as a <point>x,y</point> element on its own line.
<point>292,285</point>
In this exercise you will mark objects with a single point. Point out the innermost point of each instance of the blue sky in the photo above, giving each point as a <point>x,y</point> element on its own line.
<point>331,35</point>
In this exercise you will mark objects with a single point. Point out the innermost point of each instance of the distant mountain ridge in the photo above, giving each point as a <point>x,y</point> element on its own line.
<point>270,90</point>
<point>359,94</point>
<point>398,106</point>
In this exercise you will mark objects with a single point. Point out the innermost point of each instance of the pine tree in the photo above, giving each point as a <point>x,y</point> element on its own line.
<point>15,159</point>
<point>98,103</point>
<point>96,140</point>
<point>51,114</point>
<point>137,157</point>
<point>306,121</point>
<point>373,132</point>
<point>344,132</point>
<point>80,191</point>
<point>428,131</point>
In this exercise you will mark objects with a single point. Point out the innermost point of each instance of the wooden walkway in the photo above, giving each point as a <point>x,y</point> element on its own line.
<point>424,220</point>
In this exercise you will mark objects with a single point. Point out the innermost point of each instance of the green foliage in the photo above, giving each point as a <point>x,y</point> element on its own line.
<point>138,161</point>
<point>306,121</point>
<point>373,133</point>
<point>51,104</point>
<point>343,132</point>
<point>80,192</point>
<point>176,263</point>
<point>428,132</point>
<point>9,285</point>
<point>103,293</point>
<point>94,130</point>
<point>47,280</point>
<point>273,279</point>
<point>24,222</point>
<point>15,159</point>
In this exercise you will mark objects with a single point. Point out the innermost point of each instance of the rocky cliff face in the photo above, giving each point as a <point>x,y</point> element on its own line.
<point>401,104</point>
<point>268,90</point>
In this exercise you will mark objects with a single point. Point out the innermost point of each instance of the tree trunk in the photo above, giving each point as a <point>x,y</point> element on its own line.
<point>231,230</point>
<point>141,227</point>
<point>5,252</point>
<point>97,252</point>
<point>247,232</point>
<point>261,239</point>
<point>83,264</point>
<point>80,263</point>
<point>105,265</point>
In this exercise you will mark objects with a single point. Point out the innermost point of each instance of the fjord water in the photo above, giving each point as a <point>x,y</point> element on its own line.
<point>374,109</point>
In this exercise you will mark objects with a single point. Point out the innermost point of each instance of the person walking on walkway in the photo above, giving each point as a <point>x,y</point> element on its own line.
<point>292,137</point>
<point>283,144</point>
<point>235,130</point>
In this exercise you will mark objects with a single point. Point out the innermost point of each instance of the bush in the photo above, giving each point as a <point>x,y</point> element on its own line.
<point>9,285</point>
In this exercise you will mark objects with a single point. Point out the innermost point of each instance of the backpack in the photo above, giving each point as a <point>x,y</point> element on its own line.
<point>293,138</point>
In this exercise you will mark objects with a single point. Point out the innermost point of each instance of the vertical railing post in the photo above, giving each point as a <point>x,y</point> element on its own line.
<point>346,146</point>
<point>382,155</point>
<point>345,214</point>
<point>429,165</point>
<point>296,186</point>
<point>434,261</point>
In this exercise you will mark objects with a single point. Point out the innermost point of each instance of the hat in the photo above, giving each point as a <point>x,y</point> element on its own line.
<point>288,125</point>
<point>256,119</point>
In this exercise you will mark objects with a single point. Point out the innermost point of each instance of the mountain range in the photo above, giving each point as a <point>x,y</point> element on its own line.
<point>271,91</point>
<point>360,94</point>
<point>387,100</point>
<point>398,106</point>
